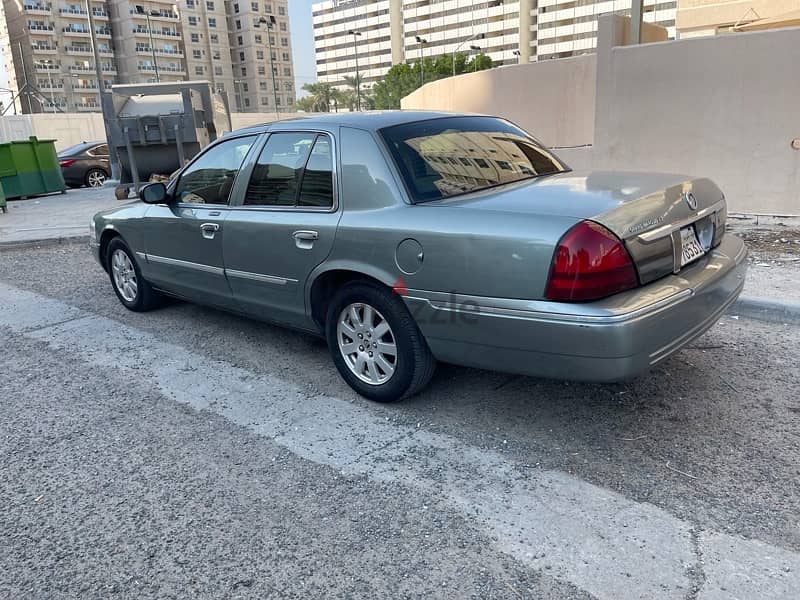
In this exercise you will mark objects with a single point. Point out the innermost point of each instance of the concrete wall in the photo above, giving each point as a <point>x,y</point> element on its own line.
<point>553,99</point>
<point>72,128</point>
<point>725,107</point>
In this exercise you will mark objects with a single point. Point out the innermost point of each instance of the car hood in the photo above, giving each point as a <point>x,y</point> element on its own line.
<point>627,203</point>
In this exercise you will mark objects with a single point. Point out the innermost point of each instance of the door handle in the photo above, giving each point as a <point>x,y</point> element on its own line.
<point>305,239</point>
<point>209,229</point>
<point>309,236</point>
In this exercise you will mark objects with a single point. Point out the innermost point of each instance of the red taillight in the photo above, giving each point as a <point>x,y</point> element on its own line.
<point>66,162</point>
<point>590,263</point>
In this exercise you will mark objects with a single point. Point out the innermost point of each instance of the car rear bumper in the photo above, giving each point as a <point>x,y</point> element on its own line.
<point>609,340</point>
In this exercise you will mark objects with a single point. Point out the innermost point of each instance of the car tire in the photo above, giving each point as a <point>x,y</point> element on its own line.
<point>388,327</point>
<point>133,290</point>
<point>95,178</point>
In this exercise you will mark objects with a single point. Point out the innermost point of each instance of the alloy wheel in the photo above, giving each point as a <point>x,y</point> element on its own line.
<point>96,178</point>
<point>367,343</point>
<point>124,275</point>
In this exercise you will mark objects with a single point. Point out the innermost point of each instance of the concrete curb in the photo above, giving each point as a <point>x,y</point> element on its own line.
<point>764,309</point>
<point>64,239</point>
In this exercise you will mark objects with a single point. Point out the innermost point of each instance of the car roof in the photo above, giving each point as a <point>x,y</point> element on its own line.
<point>372,120</point>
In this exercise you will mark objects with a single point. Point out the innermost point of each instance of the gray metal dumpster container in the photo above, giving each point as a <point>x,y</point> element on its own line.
<point>155,128</point>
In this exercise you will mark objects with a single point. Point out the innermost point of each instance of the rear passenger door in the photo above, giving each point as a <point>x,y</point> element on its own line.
<point>282,224</point>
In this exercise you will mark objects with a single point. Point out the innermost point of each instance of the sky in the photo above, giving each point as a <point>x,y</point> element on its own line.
<point>305,70</point>
<point>305,67</point>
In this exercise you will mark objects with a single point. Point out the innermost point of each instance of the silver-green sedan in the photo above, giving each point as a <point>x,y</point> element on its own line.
<point>406,238</point>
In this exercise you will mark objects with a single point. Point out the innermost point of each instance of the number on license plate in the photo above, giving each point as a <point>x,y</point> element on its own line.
<point>690,246</point>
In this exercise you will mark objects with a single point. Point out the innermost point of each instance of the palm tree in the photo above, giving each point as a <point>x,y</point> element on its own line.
<point>321,96</point>
<point>356,85</point>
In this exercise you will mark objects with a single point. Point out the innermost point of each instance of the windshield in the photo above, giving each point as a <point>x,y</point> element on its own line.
<point>446,157</point>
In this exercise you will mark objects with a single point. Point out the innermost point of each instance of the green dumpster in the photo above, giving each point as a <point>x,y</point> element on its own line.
<point>30,167</point>
<point>2,200</point>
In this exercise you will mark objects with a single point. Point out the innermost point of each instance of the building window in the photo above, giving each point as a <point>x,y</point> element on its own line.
<point>196,54</point>
<point>258,38</point>
<point>254,6</point>
<point>286,57</point>
<point>260,54</point>
<point>193,21</point>
<point>244,72</point>
<point>262,70</point>
<point>262,85</point>
<point>287,71</point>
<point>282,11</point>
<point>283,26</point>
<point>190,3</point>
<point>247,102</point>
<point>236,8</point>
<point>198,70</point>
<point>284,41</point>
<point>195,38</point>
<point>217,70</point>
<point>240,40</point>
<point>210,5</point>
<point>241,56</point>
<point>212,22</point>
<point>268,8</point>
<point>216,55</point>
<point>245,87</point>
<point>238,23</point>
<point>264,101</point>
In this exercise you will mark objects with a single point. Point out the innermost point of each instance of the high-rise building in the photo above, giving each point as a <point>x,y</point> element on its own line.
<point>380,33</point>
<point>139,41</point>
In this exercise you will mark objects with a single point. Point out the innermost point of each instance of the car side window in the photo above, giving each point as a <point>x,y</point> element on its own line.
<point>100,151</point>
<point>294,169</point>
<point>317,187</point>
<point>210,178</point>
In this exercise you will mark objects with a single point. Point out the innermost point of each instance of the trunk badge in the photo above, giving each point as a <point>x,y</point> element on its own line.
<point>691,201</point>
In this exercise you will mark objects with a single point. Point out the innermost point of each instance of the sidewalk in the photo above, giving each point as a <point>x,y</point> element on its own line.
<point>54,217</point>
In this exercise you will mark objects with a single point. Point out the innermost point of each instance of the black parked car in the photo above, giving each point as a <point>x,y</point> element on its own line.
<point>85,164</point>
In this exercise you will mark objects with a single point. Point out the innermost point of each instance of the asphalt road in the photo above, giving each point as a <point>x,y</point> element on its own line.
<point>191,453</point>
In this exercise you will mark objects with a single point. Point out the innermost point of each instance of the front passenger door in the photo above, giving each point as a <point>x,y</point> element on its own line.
<point>183,239</point>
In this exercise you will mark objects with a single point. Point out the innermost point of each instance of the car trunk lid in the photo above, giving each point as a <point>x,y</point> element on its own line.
<point>647,211</point>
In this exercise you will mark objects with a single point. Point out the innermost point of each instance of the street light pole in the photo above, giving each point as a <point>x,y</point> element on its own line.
<point>152,46</point>
<point>422,42</point>
<point>477,36</point>
<point>518,54</point>
<point>270,26</point>
<point>357,35</point>
<point>475,60</point>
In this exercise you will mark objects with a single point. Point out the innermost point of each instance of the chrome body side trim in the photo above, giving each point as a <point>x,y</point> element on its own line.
<point>260,277</point>
<point>185,263</point>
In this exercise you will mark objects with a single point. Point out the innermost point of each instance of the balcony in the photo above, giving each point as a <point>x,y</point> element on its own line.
<point>162,69</point>
<point>155,15</point>
<point>75,13</point>
<point>157,33</point>
<point>103,33</point>
<point>81,69</point>
<point>86,87</point>
<point>75,32</point>
<point>168,52</point>
<point>87,106</point>
<point>40,68</point>
<point>40,29</point>
<point>100,14</point>
<point>79,50</point>
<point>46,85</point>
<point>44,49</point>
<point>37,9</point>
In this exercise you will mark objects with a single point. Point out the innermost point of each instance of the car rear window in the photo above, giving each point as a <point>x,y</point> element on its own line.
<point>449,156</point>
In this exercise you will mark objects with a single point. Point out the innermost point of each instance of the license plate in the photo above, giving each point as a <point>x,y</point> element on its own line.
<point>690,246</point>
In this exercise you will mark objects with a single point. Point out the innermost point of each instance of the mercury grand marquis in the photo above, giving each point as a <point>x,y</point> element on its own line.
<point>406,238</point>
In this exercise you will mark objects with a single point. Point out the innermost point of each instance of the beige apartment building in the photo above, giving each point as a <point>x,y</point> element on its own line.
<point>711,17</point>
<point>140,41</point>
